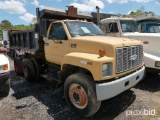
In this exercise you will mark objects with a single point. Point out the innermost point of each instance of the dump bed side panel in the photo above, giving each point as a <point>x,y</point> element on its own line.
<point>24,40</point>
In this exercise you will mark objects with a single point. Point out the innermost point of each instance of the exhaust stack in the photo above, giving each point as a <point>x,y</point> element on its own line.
<point>98,15</point>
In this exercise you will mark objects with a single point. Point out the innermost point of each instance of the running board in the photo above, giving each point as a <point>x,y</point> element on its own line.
<point>50,77</point>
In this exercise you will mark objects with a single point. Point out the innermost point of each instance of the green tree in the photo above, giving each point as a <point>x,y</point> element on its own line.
<point>148,12</point>
<point>34,20</point>
<point>1,34</point>
<point>139,12</point>
<point>5,24</point>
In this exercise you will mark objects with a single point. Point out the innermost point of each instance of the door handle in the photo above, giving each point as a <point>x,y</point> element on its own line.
<point>46,44</point>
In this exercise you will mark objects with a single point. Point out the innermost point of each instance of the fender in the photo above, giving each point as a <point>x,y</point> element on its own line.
<point>91,62</point>
<point>150,60</point>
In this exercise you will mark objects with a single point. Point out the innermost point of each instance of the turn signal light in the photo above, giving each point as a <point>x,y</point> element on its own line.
<point>101,53</point>
<point>5,67</point>
<point>145,42</point>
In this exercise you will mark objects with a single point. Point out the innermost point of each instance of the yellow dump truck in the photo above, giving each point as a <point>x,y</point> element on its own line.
<point>91,66</point>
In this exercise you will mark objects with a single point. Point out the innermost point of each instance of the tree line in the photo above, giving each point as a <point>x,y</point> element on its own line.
<point>7,25</point>
<point>139,11</point>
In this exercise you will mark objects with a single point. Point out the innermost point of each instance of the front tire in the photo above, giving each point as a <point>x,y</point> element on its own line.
<point>80,94</point>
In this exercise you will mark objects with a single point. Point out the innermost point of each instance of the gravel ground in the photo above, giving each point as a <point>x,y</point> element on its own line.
<point>44,101</point>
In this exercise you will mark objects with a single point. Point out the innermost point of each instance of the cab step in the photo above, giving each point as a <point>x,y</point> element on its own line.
<point>51,77</point>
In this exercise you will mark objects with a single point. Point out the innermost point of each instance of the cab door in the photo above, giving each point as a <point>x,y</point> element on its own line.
<point>56,44</point>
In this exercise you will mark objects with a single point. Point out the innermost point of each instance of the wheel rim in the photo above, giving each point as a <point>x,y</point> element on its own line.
<point>25,71</point>
<point>78,96</point>
<point>16,67</point>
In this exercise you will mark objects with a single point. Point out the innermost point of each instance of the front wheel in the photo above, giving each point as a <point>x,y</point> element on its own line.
<point>80,94</point>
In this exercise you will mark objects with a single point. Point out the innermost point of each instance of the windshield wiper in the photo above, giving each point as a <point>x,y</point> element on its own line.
<point>87,34</point>
<point>99,34</point>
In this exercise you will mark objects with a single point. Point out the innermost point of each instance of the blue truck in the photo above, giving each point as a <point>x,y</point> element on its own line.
<point>149,26</point>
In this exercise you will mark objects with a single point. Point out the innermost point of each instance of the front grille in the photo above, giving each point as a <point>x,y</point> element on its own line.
<point>128,58</point>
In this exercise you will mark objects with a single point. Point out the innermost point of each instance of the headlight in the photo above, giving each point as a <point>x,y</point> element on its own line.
<point>106,69</point>
<point>157,64</point>
<point>4,67</point>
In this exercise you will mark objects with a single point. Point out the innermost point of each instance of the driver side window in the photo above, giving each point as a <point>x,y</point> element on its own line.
<point>57,31</point>
<point>113,27</point>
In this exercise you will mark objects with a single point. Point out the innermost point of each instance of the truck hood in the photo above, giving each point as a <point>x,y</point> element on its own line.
<point>92,44</point>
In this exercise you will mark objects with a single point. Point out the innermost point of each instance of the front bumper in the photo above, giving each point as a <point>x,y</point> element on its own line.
<point>4,77</point>
<point>108,90</point>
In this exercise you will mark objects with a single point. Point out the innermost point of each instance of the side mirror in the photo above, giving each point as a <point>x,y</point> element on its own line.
<point>45,38</point>
<point>5,42</point>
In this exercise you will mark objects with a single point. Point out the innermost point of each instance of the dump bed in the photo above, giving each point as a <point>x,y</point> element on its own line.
<point>26,41</point>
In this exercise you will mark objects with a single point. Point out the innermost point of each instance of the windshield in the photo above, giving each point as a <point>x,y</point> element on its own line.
<point>128,26</point>
<point>77,28</point>
<point>153,28</point>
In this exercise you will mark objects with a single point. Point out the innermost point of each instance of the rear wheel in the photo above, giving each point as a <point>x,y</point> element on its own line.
<point>80,94</point>
<point>18,66</point>
<point>29,70</point>
<point>4,89</point>
<point>37,70</point>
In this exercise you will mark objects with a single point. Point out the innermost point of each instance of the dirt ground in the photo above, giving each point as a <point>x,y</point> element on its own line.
<point>43,101</point>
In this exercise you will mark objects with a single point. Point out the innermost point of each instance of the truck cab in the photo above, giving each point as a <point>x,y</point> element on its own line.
<point>127,28</point>
<point>148,23</point>
<point>149,27</point>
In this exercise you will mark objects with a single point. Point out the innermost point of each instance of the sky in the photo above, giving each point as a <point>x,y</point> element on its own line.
<point>23,11</point>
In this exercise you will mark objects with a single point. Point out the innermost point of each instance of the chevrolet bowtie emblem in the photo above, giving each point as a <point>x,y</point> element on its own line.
<point>133,57</point>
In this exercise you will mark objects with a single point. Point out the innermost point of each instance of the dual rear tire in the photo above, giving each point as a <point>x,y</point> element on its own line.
<point>29,70</point>
<point>26,68</point>
<point>18,66</point>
